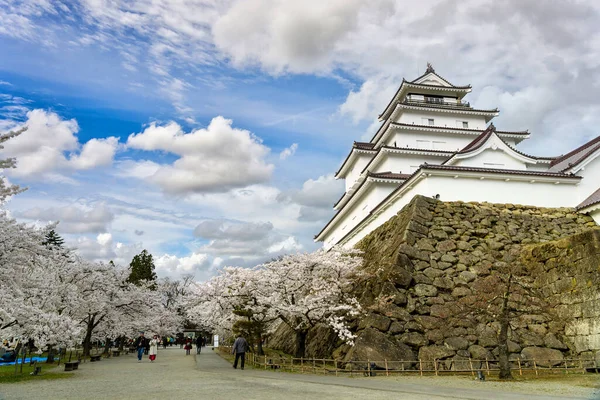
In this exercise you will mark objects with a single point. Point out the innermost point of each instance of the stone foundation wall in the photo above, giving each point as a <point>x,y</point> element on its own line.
<point>425,259</point>
<point>420,263</point>
<point>568,271</point>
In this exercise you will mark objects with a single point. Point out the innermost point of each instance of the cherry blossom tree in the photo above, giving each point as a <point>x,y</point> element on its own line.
<point>33,294</point>
<point>312,288</point>
<point>301,290</point>
<point>7,189</point>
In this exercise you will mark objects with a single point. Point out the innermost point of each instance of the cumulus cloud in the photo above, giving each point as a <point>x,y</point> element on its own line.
<point>215,159</point>
<point>288,152</point>
<point>50,144</point>
<point>316,198</point>
<point>285,35</point>
<point>73,218</point>
<point>243,239</point>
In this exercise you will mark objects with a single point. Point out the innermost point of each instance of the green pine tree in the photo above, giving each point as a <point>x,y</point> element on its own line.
<point>53,239</point>
<point>142,268</point>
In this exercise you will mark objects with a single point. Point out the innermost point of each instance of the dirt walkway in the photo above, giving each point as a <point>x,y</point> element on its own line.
<point>207,376</point>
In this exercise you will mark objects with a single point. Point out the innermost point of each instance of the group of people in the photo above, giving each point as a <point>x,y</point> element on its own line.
<point>150,347</point>
<point>142,344</point>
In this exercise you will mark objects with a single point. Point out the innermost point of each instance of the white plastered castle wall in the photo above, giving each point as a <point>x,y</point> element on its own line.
<point>356,168</point>
<point>490,158</point>
<point>403,163</point>
<point>443,119</point>
<point>353,213</point>
<point>590,172</point>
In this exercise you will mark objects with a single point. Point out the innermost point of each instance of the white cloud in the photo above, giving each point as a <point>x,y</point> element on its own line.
<point>95,153</point>
<point>50,144</point>
<point>215,159</point>
<point>284,35</point>
<point>73,218</point>
<point>173,266</point>
<point>290,151</point>
<point>104,239</point>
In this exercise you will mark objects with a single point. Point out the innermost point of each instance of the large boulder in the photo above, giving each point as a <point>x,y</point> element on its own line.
<point>375,321</point>
<point>414,339</point>
<point>320,341</point>
<point>376,347</point>
<point>543,356</point>
<point>480,353</point>
<point>456,343</point>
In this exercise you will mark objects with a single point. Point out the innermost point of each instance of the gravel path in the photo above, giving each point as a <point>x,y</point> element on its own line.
<point>207,376</point>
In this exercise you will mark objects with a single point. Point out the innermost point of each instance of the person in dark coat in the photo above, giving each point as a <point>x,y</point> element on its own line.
<point>199,344</point>
<point>239,349</point>
<point>140,346</point>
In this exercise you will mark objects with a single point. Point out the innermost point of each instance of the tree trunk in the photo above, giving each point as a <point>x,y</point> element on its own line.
<point>50,358</point>
<point>259,346</point>
<point>121,342</point>
<point>504,363</point>
<point>87,340</point>
<point>301,343</point>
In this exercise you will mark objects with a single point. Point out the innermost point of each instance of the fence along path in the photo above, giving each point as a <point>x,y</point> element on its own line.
<point>422,367</point>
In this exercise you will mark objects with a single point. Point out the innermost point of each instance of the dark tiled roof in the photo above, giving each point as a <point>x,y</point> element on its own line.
<point>524,133</point>
<point>576,156</point>
<point>442,107</point>
<point>432,71</point>
<point>479,140</point>
<point>358,146</point>
<point>388,175</point>
<point>590,201</point>
<point>483,137</point>
<point>363,145</point>
<point>502,171</point>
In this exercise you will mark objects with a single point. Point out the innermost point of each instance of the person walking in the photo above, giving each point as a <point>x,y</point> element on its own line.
<point>188,347</point>
<point>140,346</point>
<point>153,348</point>
<point>239,349</point>
<point>199,344</point>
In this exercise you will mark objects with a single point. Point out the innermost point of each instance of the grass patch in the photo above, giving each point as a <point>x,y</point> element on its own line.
<point>49,372</point>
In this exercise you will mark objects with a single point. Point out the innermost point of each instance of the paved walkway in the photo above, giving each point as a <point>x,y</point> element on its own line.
<point>207,376</point>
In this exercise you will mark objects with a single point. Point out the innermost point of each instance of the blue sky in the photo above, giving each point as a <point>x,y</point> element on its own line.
<point>164,124</point>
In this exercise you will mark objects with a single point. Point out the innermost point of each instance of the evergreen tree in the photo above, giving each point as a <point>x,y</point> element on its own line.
<point>142,268</point>
<point>53,239</point>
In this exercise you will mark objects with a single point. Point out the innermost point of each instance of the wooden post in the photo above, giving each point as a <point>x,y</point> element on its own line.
<point>566,369</point>
<point>487,366</point>
<point>535,367</point>
<point>314,365</point>
<point>471,366</point>
<point>435,366</point>
<point>302,364</point>
<point>421,367</point>
<point>368,367</point>
<point>581,365</point>
<point>386,367</point>
<point>335,364</point>
<point>265,361</point>
<point>520,370</point>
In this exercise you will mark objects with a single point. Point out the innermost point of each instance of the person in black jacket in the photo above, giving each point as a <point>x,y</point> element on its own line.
<point>140,345</point>
<point>199,344</point>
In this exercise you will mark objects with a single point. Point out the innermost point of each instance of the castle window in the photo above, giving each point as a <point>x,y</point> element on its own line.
<point>430,121</point>
<point>465,124</point>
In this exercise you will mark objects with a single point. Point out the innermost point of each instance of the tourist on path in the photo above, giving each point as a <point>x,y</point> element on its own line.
<point>239,349</point>
<point>199,344</point>
<point>188,347</point>
<point>140,345</point>
<point>153,348</point>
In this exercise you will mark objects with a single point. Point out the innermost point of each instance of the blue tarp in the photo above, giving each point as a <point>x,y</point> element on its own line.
<point>27,360</point>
